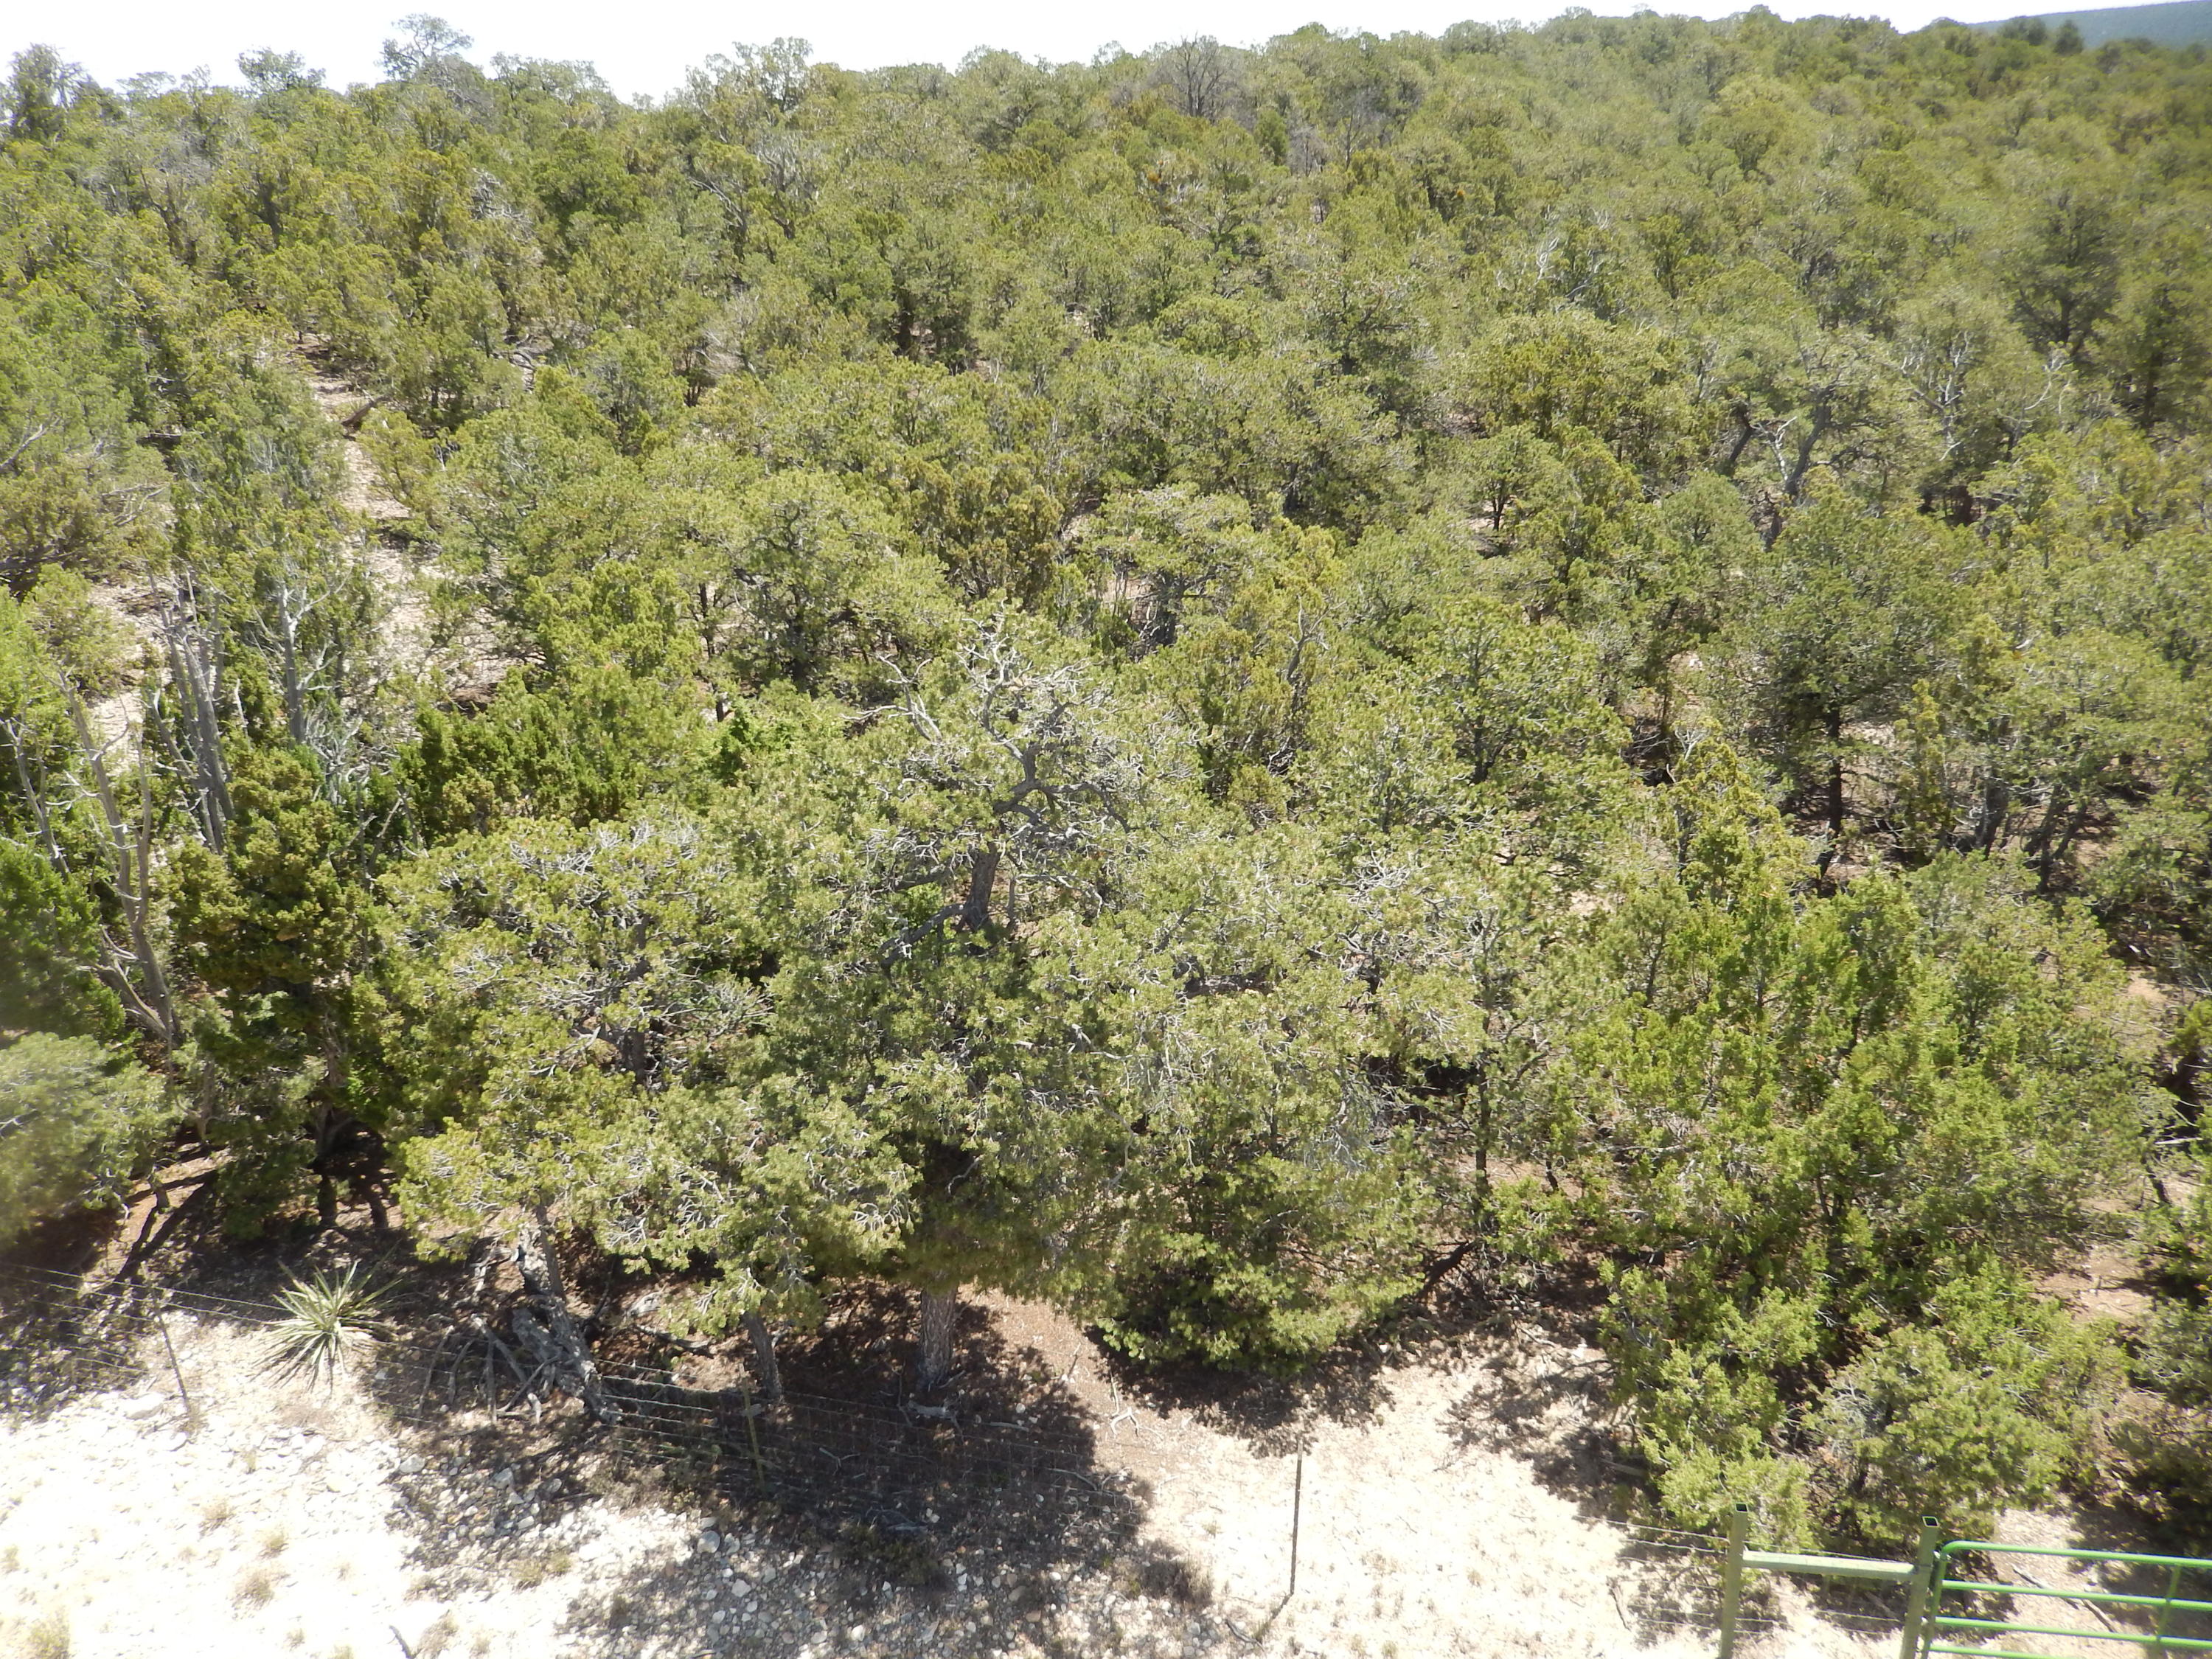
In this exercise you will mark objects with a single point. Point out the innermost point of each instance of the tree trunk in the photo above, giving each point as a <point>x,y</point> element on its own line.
<point>939,1310</point>
<point>768,1373</point>
<point>1835,721</point>
<point>134,974</point>
<point>541,1277</point>
<point>983,876</point>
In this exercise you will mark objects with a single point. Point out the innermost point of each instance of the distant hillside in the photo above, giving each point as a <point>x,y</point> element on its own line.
<point>2179,23</point>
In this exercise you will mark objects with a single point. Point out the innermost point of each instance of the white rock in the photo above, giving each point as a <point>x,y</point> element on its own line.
<point>144,1406</point>
<point>710,1540</point>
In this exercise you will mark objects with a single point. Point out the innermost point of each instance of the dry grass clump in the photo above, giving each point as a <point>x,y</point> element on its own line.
<point>1166,1577</point>
<point>48,1638</point>
<point>532,1570</point>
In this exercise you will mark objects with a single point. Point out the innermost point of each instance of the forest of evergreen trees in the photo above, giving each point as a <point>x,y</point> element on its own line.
<point>1196,686</point>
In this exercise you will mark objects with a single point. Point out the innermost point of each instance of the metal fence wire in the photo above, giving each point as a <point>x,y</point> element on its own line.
<point>888,1463</point>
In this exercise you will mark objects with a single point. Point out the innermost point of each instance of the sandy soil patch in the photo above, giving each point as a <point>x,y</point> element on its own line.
<point>1447,1509</point>
<point>275,1519</point>
<point>1452,1503</point>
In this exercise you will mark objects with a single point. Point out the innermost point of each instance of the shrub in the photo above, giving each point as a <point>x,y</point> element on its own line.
<point>48,1639</point>
<point>76,1121</point>
<point>330,1321</point>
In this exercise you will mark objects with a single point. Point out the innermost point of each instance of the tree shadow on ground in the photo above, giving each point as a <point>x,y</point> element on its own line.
<point>1465,1308</point>
<point>1004,1459</point>
<point>1549,1408</point>
<point>962,1526</point>
<point>1274,1415</point>
<point>1541,1391</point>
<point>1660,1587</point>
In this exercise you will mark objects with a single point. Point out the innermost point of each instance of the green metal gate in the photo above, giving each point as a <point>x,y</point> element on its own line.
<point>2173,1624</point>
<point>1951,1632</point>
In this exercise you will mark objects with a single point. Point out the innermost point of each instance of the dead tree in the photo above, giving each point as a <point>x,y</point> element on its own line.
<point>556,1343</point>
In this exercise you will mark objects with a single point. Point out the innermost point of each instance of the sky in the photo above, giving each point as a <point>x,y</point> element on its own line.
<point>643,46</point>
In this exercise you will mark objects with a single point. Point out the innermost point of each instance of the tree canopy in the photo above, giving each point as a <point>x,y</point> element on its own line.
<point>1196,686</point>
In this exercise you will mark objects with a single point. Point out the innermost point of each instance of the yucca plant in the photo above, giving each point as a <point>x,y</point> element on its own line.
<point>330,1321</point>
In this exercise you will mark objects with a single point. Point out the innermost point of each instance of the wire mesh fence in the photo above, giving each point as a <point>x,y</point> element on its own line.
<point>892,1464</point>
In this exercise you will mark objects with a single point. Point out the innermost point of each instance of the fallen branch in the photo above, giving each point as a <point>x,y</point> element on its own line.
<point>151,1238</point>
<point>430,1370</point>
<point>1442,1269</point>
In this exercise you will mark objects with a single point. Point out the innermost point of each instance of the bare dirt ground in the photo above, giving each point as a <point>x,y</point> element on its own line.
<point>406,630</point>
<point>1452,1496</point>
<point>1453,1502</point>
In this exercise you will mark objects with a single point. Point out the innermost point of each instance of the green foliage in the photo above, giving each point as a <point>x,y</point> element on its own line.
<point>273,928</point>
<point>593,746</point>
<point>1849,614</point>
<point>1849,1129</point>
<point>90,646</point>
<point>1164,683</point>
<point>2168,1449</point>
<point>330,1321</point>
<point>627,951</point>
<point>77,1123</point>
<point>1279,1203</point>
<point>75,490</point>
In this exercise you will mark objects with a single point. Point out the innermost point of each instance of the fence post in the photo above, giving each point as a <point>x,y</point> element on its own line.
<point>1915,1596</point>
<point>752,1436</point>
<point>2166,1612</point>
<point>1298,1503</point>
<point>1739,1528</point>
<point>192,1412</point>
